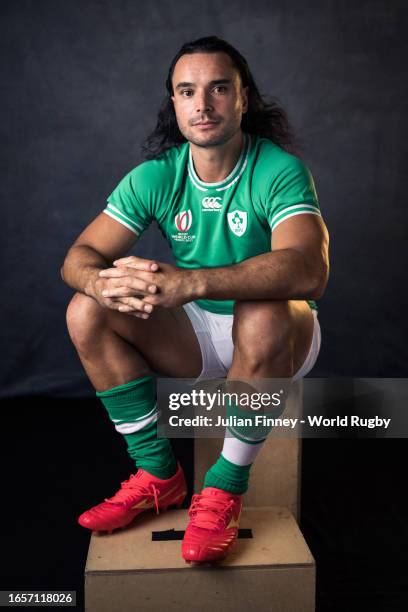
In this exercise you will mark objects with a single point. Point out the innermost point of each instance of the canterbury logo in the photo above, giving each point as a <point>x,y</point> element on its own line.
<point>183,220</point>
<point>211,202</point>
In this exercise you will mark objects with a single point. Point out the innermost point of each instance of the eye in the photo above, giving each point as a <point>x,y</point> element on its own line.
<point>220,89</point>
<point>186,92</point>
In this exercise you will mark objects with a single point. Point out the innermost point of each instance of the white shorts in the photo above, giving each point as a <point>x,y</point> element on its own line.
<point>214,335</point>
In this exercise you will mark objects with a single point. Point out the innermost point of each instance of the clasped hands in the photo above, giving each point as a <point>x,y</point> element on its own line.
<point>136,286</point>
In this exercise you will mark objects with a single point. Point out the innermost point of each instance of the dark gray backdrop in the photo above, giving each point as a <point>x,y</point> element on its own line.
<point>81,83</point>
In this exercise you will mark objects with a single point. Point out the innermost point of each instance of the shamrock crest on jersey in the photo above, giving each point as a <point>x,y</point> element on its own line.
<point>237,221</point>
<point>203,222</point>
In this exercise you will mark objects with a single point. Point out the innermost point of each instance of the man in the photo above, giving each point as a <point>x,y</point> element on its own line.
<point>242,218</point>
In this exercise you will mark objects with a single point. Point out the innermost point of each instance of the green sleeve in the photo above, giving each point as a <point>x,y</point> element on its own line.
<point>290,191</point>
<point>130,202</point>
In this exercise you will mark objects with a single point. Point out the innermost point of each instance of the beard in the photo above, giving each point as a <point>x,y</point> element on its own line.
<point>209,141</point>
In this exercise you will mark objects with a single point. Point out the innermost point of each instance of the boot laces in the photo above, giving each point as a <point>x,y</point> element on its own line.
<point>131,488</point>
<point>209,512</point>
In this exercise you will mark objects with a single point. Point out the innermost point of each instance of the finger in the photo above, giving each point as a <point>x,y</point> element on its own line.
<point>128,286</point>
<point>144,280</point>
<point>117,305</point>
<point>124,291</point>
<point>128,310</point>
<point>116,272</point>
<point>151,299</point>
<point>138,263</point>
<point>118,292</point>
<point>135,304</point>
<point>111,305</point>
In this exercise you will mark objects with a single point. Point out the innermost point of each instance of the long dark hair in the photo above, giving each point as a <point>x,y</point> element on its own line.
<point>266,119</point>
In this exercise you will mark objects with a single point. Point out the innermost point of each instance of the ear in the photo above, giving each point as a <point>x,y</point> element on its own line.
<point>245,93</point>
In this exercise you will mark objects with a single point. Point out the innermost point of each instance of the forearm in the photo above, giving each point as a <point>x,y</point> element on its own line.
<point>277,275</point>
<point>81,268</point>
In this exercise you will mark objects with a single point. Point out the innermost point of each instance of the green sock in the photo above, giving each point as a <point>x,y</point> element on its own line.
<point>132,408</point>
<point>244,425</point>
<point>228,476</point>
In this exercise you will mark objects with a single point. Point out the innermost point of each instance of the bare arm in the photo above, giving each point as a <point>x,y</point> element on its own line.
<point>102,241</point>
<point>296,269</point>
<point>96,247</point>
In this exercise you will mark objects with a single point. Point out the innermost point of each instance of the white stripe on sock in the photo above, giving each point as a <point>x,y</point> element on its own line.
<point>127,428</point>
<point>239,452</point>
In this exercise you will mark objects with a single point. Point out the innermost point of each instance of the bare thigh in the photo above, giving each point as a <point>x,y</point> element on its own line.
<point>166,340</point>
<point>271,337</point>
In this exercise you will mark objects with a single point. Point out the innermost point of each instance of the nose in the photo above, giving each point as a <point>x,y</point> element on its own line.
<point>203,101</point>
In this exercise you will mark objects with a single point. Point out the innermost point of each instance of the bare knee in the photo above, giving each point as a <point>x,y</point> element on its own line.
<point>84,319</point>
<point>262,331</point>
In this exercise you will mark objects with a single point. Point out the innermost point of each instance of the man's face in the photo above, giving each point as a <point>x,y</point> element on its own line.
<point>209,99</point>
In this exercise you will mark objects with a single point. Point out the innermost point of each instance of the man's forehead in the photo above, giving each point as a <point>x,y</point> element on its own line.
<point>204,65</point>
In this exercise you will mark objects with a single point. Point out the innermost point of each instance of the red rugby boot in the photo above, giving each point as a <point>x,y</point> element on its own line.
<point>213,528</point>
<point>141,492</point>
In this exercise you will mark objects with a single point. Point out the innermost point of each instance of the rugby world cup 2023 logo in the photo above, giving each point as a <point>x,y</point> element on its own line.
<point>183,220</point>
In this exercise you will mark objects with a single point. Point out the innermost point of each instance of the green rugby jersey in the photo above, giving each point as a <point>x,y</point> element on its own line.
<point>216,224</point>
